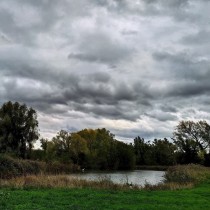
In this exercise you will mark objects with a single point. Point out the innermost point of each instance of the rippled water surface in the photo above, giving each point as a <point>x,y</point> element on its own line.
<point>138,177</point>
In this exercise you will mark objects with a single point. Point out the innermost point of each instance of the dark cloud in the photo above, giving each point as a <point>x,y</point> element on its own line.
<point>99,77</point>
<point>100,47</point>
<point>167,108</point>
<point>162,116</point>
<point>184,65</point>
<point>199,38</point>
<point>189,89</point>
<point>136,68</point>
<point>128,135</point>
<point>94,93</point>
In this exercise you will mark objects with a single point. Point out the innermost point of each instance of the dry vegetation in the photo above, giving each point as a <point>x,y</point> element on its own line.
<point>176,177</point>
<point>11,167</point>
<point>61,181</point>
<point>184,174</point>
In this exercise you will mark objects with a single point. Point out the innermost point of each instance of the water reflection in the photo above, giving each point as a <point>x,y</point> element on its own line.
<point>138,177</point>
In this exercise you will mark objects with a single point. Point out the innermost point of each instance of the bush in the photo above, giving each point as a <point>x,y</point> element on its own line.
<point>187,173</point>
<point>10,167</point>
<point>59,168</point>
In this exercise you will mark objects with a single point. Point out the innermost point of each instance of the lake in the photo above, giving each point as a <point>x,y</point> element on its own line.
<point>138,177</point>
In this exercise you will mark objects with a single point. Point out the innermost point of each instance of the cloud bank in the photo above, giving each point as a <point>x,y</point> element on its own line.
<point>136,68</point>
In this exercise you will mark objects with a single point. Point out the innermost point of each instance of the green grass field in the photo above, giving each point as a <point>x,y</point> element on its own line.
<point>40,199</point>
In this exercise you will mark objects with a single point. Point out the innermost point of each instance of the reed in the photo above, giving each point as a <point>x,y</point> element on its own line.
<point>61,181</point>
<point>32,176</point>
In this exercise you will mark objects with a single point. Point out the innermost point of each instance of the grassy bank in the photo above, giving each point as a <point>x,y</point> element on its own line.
<point>186,187</point>
<point>86,198</point>
<point>176,177</point>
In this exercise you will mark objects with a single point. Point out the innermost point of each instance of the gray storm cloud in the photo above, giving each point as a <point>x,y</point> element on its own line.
<point>136,68</point>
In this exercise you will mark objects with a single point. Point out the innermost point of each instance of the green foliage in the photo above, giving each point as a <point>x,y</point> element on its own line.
<point>159,152</point>
<point>99,199</point>
<point>141,151</point>
<point>92,149</point>
<point>105,152</point>
<point>125,156</point>
<point>192,140</point>
<point>164,152</point>
<point>18,129</point>
<point>97,149</point>
<point>38,154</point>
<point>78,148</point>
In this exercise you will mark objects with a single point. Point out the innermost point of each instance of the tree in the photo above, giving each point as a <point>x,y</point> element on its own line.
<point>92,149</point>
<point>78,148</point>
<point>126,156</point>
<point>164,152</point>
<point>101,145</point>
<point>158,152</point>
<point>140,148</point>
<point>18,129</point>
<point>104,152</point>
<point>192,140</point>
<point>58,149</point>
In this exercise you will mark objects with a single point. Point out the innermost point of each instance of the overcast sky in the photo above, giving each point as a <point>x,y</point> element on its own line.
<point>135,67</point>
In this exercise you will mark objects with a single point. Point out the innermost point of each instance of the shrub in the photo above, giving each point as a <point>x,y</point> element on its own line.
<point>10,167</point>
<point>58,168</point>
<point>187,173</point>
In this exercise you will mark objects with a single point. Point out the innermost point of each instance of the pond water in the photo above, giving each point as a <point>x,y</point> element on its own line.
<point>138,177</point>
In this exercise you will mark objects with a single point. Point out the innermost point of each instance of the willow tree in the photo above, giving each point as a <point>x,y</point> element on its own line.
<point>18,129</point>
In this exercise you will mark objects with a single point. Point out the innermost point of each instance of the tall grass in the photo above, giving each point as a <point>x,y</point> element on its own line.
<point>26,174</point>
<point>183,174</point>
<point>176,177</point>
<point>61,181</point>
<point>180,177</point>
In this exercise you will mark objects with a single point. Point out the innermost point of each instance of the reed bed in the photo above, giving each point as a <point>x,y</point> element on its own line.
<point>176,177</point>
<point>64,181</point>
<point>61,181</point>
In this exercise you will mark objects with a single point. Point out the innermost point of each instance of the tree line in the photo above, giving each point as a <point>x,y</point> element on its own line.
<point>98,148</point>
